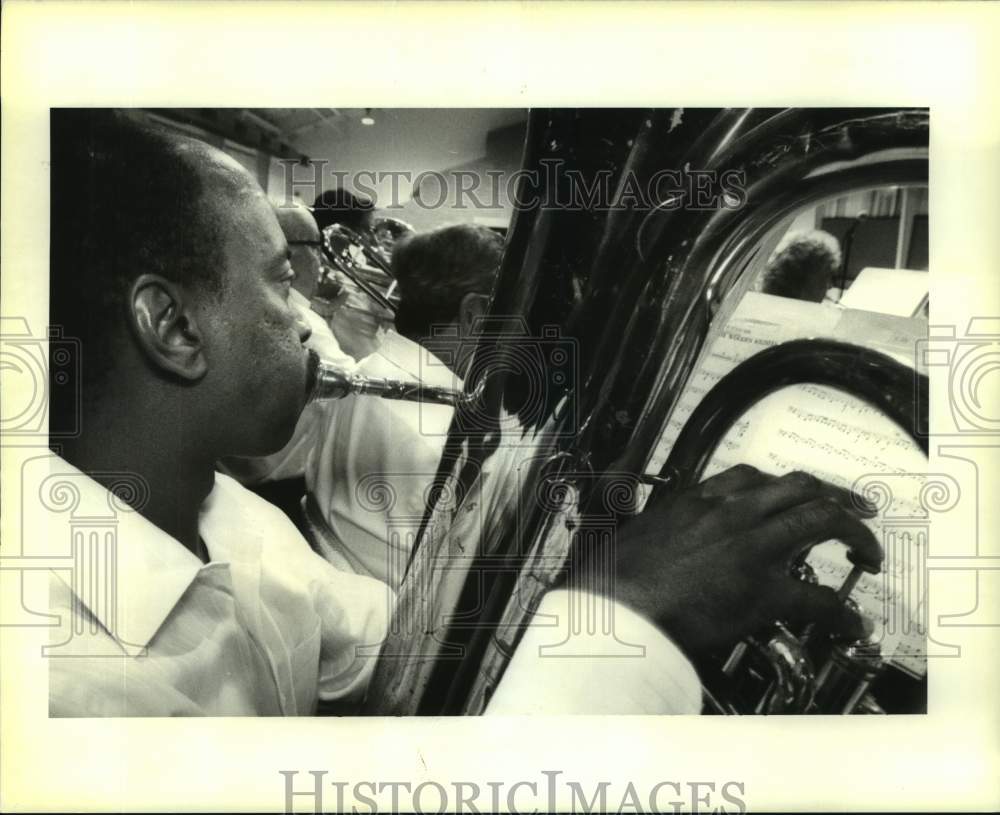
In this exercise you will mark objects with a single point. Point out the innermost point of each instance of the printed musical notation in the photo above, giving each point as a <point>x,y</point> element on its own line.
<point>836,437</point>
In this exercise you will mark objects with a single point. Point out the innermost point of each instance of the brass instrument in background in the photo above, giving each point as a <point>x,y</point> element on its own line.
<point>387,232</point>
<point>634,291</point>
<point>356,292</point>
<point>364,256</point>
<point>362,262</point>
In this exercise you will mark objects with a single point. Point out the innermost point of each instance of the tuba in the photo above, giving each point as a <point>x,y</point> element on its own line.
<point>776,671</point>
<point>614,304</point>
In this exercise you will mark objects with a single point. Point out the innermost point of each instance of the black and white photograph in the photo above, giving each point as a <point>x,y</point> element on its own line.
<point>625,398</point>
<point>397,427</point>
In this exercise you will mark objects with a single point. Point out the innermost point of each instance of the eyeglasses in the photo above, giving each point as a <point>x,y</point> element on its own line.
<point>313,244</point>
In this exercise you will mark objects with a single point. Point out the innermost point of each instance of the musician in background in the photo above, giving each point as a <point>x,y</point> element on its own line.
<point>358,323</point>
<point>305,243</point>
<point>803,266</point>
<point>445,279</point>
<point>339,206</point>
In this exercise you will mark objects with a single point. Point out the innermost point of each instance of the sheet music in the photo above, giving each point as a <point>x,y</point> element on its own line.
<point>836,437</point>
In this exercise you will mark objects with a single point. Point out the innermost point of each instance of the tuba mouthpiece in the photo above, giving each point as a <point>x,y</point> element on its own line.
<point>335,383</point>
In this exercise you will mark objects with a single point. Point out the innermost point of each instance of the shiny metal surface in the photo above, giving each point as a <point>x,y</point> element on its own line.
<point>333,383</point>
<point>359,258</point>
<point>633,291</point>
<point>898,392</point>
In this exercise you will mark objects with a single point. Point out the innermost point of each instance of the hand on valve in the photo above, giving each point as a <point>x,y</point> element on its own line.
<point>711,564</point>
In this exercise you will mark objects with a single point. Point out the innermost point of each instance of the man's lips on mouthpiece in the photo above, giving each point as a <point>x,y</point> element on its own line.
<point>312,371</point>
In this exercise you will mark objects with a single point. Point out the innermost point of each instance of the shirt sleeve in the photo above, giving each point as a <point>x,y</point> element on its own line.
<point>303,609</point>
<point>633,669</point>
<point>354,611</point>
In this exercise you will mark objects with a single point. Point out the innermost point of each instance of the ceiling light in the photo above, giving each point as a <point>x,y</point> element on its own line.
<point>367,119</point>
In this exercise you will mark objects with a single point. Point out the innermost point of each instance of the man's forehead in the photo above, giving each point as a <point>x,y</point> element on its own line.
<point>226,185</point>
<point>235,207</point>
<point>244,216</point>
<point>225,182</point>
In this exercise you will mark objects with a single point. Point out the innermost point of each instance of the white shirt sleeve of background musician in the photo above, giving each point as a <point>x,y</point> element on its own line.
<point>325,344</point>
<point>658,681</point>
<point>321,340</point>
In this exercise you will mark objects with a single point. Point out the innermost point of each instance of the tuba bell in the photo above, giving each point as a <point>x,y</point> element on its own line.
<point>630,293</point>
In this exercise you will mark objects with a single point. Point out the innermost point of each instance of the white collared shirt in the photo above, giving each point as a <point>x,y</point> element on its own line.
<point>267,627</point>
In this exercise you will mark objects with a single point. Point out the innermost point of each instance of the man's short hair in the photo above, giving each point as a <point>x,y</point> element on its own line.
<point>802,261</point>
<point>125,200</point>
<point>435,270</point>
<point>338,206</point>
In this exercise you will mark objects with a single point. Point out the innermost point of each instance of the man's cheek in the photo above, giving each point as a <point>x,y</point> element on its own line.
<point>287,361</point>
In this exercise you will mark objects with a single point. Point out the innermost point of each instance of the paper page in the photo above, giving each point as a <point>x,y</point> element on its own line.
<point>834,436</point>
<point>889,291</point>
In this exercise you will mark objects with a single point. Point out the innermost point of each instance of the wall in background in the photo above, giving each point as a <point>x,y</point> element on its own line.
<point>893,233</point>
<point>473,141</point>
<point>444,147</point>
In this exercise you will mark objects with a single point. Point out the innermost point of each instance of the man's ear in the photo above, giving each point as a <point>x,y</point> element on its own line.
<point>165,326</point>
<point>472,308</point>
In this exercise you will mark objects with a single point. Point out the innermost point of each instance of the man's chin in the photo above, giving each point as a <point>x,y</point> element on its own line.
<point>280,434</point>
<point>281,429</point>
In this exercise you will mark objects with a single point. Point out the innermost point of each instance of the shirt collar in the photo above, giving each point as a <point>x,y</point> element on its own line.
<point>149,569</point>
